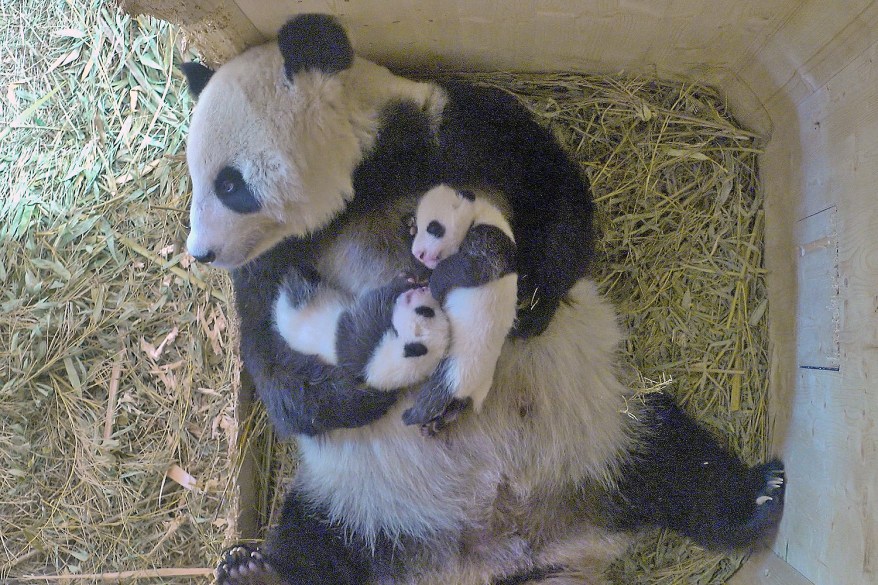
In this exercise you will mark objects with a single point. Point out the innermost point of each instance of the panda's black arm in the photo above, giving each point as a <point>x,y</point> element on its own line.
<point>485,254</point>
<point>301,394</point>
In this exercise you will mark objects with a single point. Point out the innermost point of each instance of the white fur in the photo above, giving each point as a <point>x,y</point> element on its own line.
<point>480,317</point>
<point>388,369</point>
<point>310,329</point>
<point>296,145</point>
<point>457,215</point>
<point>551,419</point>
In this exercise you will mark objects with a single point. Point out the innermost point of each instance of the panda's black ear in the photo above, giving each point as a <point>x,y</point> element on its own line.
<point>197,75</point>
<point>467,194</point>
<point>314,41</point>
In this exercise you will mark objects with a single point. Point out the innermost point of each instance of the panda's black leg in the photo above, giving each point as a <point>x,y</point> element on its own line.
<point>305,548</point>
<point>244,565</point>
<point>534,315</point>
<point>682,478</point>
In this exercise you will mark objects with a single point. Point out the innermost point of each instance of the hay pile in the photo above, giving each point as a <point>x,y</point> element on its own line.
<point>117,379</point>
<point>117,366</point>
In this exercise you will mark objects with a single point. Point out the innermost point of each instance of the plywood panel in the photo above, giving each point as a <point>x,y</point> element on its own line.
<point>217,28</point>
<point>818,311</point>
<point>767,569</point>
<point>828,432</point>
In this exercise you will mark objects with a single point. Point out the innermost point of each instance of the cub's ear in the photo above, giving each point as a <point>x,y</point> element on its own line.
<point>314,41</point>
<point>197,75</point>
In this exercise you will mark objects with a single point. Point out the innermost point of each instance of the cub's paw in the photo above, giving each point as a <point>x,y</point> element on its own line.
<point>433,424</point>
<point>243,565</point>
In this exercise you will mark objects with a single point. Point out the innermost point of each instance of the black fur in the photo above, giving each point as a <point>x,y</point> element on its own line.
<point>467,194</point>
<point>305,548</point>
<point>511,153</point>
<point>530,576</point>
<point>197,76</point>
<point>485,254</point>
<point>361,328</point>
<point>681,478</point>
<point>488,139</point>
<point>315,42</point>
<point>425,311</point>
<point>234,192</point>
<point>300,284</point>
<point>414,350</point>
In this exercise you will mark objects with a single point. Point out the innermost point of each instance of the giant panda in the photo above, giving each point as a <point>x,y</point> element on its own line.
<point>388,338</point>
<point>467,242</point>
<point>303,154</point>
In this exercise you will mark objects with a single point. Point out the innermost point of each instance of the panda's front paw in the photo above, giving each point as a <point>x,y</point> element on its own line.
<point>243,565</point>
<point>299,285</point>
<point>534,317</point>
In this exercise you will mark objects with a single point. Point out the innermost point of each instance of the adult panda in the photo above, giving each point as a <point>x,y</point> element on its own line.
<point>302,154</point>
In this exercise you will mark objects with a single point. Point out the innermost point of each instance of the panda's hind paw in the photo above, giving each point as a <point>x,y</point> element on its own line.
<point>773,487</point>
<point>243,565</point>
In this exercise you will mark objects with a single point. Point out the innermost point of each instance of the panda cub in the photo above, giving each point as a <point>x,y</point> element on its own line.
<point>468,244</point>
<point>389,338</point>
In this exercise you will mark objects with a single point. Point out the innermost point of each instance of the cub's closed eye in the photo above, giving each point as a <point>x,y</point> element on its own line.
<point>234,192</point>
<point>414,350</point>
<point>435,229</point>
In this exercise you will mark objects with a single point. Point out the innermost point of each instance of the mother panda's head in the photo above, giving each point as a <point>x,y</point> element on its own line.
<point>276,135</point>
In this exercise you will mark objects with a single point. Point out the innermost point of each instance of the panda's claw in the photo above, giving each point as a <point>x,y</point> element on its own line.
<point>244,565</point>
<point>442,421</point>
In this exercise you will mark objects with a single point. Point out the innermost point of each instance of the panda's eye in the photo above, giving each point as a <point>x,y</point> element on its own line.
<point>228,186</point>
<point>435,229</point>
<point>425,311</point>
<point>234,192</point>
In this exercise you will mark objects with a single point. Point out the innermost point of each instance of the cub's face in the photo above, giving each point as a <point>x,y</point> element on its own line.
<point>415,344</point>
<point>421,324</point>
<point>443,218</point>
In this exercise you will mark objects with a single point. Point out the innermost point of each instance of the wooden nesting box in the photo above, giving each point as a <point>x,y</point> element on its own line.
<point>803,73</point>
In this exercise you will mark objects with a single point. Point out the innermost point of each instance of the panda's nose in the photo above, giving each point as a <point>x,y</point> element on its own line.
<point>207,257</point>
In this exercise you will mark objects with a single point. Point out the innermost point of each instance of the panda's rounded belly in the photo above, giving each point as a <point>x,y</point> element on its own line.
<point>552,420</point>
<point>389,478</point>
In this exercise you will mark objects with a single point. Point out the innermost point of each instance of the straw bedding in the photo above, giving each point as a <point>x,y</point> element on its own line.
<point>118,372</point>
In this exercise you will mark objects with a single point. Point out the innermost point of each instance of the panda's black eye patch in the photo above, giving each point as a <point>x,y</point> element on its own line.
<point>435,229</point>
<point>425,311</point>
<point>414,350</point>
<point>234,192</point>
